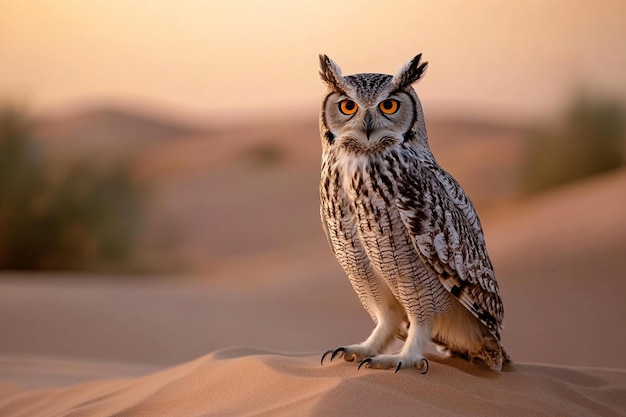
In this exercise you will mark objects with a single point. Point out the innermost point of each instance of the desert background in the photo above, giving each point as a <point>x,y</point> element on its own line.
<point>160,245</point>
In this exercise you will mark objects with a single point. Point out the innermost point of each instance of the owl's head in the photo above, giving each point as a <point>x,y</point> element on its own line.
<point>367,113</point>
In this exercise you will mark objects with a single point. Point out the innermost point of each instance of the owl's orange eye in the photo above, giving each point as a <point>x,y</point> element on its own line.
<point>348,107</point>
<point>389,106</point>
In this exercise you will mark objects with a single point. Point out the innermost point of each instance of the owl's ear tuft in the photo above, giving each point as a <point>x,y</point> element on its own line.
<point>410,73</point>
<point>330,73</point>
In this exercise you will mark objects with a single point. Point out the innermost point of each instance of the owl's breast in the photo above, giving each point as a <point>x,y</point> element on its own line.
<point>368,221</point>
<point>384,237</point>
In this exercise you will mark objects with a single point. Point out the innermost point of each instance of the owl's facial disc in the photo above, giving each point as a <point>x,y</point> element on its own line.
<point>369,125</point>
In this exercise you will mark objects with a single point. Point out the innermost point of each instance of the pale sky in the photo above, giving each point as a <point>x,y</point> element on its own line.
<point>216,56</point>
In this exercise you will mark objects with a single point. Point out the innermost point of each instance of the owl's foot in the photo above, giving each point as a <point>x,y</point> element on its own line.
<point>349,353</point>
<point>395,361</point>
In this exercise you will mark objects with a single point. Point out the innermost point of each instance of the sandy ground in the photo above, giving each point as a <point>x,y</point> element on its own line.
<point>246,382</point>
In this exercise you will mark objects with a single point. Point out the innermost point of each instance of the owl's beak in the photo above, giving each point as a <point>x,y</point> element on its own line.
<point>368,124</point>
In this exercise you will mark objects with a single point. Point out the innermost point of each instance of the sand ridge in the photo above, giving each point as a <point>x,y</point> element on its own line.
<point>255,382</point>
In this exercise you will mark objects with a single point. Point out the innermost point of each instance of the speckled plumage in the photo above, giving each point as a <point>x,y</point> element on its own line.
<point>401,227</point>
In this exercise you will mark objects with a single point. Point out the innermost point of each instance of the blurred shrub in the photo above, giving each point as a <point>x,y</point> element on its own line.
<point>86,217</point>
<point>265,154</point>
<point>588,139</point>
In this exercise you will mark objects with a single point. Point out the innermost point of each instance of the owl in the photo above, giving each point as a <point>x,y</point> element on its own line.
<point>403,230</point>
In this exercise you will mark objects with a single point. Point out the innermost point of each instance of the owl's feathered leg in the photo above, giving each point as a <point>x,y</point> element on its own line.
<point>422,305</point>
<point>411,354</point>
<point>388,316</point>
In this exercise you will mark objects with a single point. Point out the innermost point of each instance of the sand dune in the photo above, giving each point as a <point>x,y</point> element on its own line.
<point>248,382</point>
<point>560,262</point>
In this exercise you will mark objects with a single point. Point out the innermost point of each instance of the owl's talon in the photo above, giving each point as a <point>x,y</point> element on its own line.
<point>334,354</point>
<point>366,361</point>
<point>398,367</point>
<point>337,352</point>
<point>425,361</point>
<point>324,356</point>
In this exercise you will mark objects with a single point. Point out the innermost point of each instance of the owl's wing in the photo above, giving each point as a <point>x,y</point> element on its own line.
<point>448,237</point>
